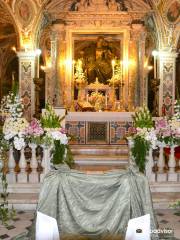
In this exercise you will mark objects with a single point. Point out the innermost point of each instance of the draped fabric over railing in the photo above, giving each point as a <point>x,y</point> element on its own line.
<point>95,205</point>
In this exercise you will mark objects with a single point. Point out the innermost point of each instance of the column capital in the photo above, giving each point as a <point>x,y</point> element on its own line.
<point>26,55</point>
<point>168,55</point>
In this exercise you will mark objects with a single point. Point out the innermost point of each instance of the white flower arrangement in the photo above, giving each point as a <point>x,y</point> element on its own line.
<point>14,125</point>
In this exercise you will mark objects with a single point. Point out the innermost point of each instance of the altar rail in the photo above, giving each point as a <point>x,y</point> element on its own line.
<point>29,165</point>
<point>31,168</point>
<point>163,165</point>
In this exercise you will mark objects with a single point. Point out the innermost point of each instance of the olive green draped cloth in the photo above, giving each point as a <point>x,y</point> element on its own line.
<point>97,204</point>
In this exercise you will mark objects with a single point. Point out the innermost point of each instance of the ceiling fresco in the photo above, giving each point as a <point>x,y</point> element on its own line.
<point>28,15</point>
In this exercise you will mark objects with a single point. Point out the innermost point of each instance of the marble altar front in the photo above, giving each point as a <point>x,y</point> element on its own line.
<point>99,127</point>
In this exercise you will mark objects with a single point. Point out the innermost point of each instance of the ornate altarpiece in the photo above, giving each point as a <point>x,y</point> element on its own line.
<point>77,27</point>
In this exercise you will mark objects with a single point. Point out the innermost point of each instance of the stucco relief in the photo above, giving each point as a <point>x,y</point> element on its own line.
<point>173,12</point>
<point>24,11</point>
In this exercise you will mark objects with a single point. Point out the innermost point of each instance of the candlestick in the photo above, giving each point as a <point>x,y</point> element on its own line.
<point>155,70</point>
<point>121,72</point>
<point>155,54</point>
<point>87,97</point>
<point>113,64</point>
<point>106,101</point>
<point>37,67</point>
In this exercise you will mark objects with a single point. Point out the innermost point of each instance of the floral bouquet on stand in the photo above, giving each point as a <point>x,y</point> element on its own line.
<point>56,136</point>
<point>15,124</point>
<point>144,137</point>
<point>34,132</point>
<point>168,130</point>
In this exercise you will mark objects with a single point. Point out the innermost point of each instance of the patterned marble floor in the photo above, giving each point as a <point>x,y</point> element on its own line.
<point>167,219</point>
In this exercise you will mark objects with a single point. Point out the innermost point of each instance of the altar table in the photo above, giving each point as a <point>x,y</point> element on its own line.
<point>95,205</point>
<point>99,127</point>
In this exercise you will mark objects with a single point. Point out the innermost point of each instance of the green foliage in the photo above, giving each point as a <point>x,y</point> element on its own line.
<point>139,152</point>
<point>6,214</point>
<point>176,205</point>
<point>62,154</point>
<point>4,144</point>
<point>15,88</point>
<point>50,119</point>
<point>143,118</point>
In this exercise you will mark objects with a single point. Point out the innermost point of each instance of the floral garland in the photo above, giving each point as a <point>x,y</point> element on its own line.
<point>5,213</point>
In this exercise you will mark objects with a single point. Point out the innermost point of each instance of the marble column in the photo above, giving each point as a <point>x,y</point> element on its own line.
<point>167,75</point>
<point>26,85</point>
<point>137,51</point>
<point>51,73</point>
<point>61,56</point>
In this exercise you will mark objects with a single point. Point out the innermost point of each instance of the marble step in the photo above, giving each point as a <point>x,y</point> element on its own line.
<point>101,159</point>
<point>29,201</point>
<point>101,162</point>
<point>99,149</point>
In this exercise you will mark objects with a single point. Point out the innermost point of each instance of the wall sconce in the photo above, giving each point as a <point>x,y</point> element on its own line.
<point>149,68</point>
<point>13,49</point>
<point>45,68</point>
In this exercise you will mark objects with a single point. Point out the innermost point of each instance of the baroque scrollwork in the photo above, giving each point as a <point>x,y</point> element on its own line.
<point>112,5</point>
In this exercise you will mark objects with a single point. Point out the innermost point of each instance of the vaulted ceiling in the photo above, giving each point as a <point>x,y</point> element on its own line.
<point>8,36</point>
<point>11,27</point>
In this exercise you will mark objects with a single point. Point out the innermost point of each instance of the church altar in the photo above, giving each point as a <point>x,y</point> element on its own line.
<point>99,127</point>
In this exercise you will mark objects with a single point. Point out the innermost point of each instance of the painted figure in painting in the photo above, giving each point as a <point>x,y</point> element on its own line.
<point>173,12</point>
<point>97,58</point>
<point>24,11</point>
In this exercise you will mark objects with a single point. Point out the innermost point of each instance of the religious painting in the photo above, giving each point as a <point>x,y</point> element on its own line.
<point>24,11</point>
<point>173,12</point>
<point>96,53</point>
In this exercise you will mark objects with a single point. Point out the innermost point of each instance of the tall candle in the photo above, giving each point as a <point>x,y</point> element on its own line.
<point>106,100</point>
<point>155,66</point>
<point>113,64</point>
<point>38,53</point>
<point>37,67</point>
<point>121,72</point>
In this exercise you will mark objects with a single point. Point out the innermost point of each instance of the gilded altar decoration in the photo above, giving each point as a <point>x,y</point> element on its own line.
<point>79,76</point>
<point>91,5</point>
<point>117,77</point>
<point>97,100</point>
